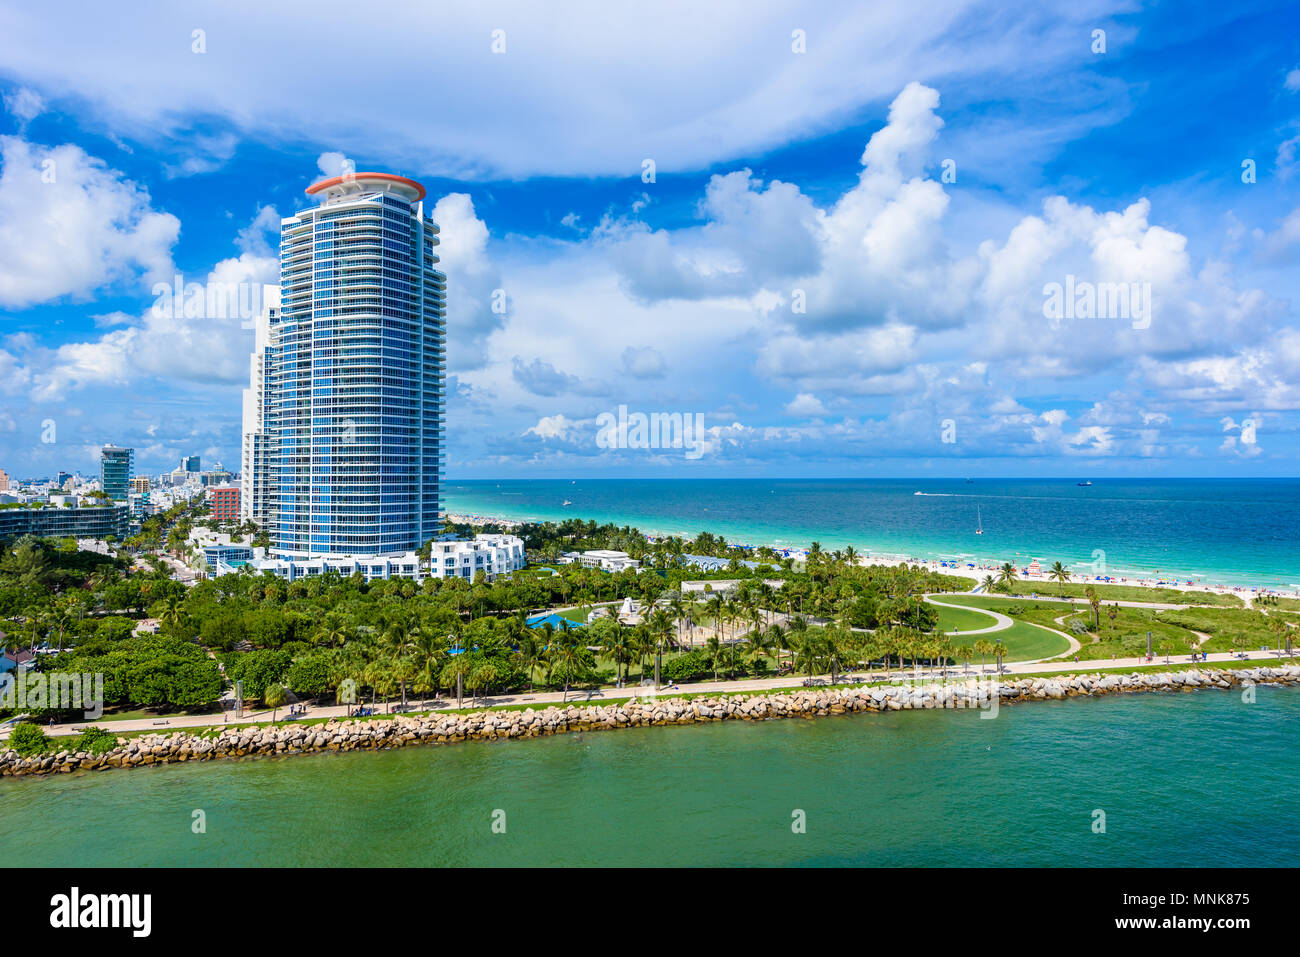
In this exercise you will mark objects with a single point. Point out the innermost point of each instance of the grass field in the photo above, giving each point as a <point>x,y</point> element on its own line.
<point>1125,635</point>
<point>962,619</point>
<point>1024,641</point>
<point>1164,596</point>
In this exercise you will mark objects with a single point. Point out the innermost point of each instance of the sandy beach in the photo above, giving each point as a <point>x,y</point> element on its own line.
<point>976,571</point>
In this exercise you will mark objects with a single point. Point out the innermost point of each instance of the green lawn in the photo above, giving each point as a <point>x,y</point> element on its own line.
<point>1164,596</point>
<point>1023,641</point>
<point>1125,635</point>
<point>962,619</point>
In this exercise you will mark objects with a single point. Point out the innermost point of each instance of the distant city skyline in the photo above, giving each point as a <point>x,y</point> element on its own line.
<point>997,242</point>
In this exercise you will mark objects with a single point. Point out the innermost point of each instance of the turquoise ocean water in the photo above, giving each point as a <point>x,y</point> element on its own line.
<point>1224,530</point>
<point>1182,779</point>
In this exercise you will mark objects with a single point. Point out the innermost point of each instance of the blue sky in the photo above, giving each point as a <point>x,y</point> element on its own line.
<point>131,152</point>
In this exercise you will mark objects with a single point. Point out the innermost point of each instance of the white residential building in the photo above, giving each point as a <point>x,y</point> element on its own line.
<point>255,492</point>
<point>491,554</point>
<point>606,558</point>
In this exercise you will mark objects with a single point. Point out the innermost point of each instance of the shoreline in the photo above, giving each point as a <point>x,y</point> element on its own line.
<point>961,567</point>
<point>648,711</point>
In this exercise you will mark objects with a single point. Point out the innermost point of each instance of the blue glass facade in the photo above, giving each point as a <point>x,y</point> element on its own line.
<point>116,469</point>
<point>354,377</point>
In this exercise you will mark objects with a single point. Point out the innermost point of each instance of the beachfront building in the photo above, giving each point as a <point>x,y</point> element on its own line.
<point>116,469</point>
<point>709,563</point>
<point>604,558</point>
<point>723,585</point>
<point>351,383</point>
<point>493,555</point>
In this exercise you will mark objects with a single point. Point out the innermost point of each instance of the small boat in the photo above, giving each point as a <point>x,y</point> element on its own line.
<point>567,502</point>
<point>918,493</point>
<point>1083,484</point>
<point>979,521</point>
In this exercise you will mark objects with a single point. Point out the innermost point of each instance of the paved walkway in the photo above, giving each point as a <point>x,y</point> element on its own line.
<point>747,685</point>
<point>1001,623</point>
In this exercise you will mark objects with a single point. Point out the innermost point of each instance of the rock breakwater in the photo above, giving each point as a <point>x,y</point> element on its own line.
<point>358,735</point>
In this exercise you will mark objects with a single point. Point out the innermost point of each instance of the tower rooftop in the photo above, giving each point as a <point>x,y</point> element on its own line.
<point>338,187</point>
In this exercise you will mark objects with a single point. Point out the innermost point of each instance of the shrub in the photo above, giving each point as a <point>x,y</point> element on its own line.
<point>688,667</point>
<point>28,739</point>
<point>94,740</point>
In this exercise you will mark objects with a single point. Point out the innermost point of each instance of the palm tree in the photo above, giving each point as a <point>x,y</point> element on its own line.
<point>989,584</point>
<point>1279,628</point>
<point>808,653</point>
<point>332,632</point>
<point>484,676</point>
<point>566,654</point>
<point>172,615</point>
<point>982,647</point>
<point>757,646</point>
<point>531,655</point>
<point>1091,594</point>
<point>274,697</point>
<point>777,640</point>
<point>395,645</point>
<point>1007,577</point>
<point>428,649</point>
<point>963,654</point>
<point>454,672</point>
<point>660,628</point>
<point>616,644</point>
<point>1058,574</point>
<point>677,609</point>
<point>713,650</point>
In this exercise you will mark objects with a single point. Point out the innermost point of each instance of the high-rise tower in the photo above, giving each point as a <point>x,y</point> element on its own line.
<point>255,501</point>
<point>352,377</point>
<point>116,469</point>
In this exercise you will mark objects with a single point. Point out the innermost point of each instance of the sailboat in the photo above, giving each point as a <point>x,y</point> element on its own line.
<point>979,521</point>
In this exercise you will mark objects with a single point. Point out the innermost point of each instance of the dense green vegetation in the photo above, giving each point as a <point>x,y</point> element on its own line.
<point>385,640</point>
<point>334,638</point>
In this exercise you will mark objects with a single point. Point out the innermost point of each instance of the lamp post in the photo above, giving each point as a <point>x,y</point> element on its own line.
<point>456,650</point>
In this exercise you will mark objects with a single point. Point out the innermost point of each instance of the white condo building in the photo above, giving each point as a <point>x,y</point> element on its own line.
<point>255,460</point>
<point>492,555</point>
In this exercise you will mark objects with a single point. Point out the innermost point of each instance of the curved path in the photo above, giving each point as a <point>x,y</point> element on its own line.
<point>1001,622</point>
<point>1005,622</point>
